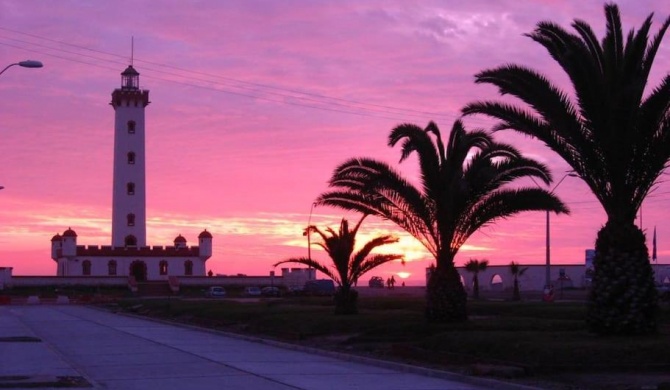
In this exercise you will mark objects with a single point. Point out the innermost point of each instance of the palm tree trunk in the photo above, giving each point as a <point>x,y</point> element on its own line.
<point>516,294</point>
<point>623,298</point>
<point>445,296</point>
<point>475,287</point>
<point>346,301</point>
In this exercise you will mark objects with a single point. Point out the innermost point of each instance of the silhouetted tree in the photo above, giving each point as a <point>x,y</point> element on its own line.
<point>463,187</point>
<point>347,266</point>
<point>476,266</point>
<point>615,137</point>
<point>516,271</point>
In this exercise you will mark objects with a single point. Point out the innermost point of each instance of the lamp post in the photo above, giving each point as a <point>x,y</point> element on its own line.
<point>24,64</point>
<point>307,232</point>
<point>547,280</point>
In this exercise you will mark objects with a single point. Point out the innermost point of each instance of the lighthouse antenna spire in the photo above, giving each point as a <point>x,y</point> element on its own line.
<point>132,49</point>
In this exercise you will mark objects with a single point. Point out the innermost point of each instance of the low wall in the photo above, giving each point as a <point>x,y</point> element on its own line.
<point>242,281</point>
<point>499,277</point>
<point>35,281</point>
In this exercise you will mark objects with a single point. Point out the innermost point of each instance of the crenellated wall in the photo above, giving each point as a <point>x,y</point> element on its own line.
<point>143,251</point>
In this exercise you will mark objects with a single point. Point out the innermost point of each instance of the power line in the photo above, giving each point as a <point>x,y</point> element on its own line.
<point>319,101</point>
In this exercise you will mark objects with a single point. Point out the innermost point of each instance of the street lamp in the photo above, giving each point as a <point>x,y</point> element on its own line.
<point>24,64</point>
<point>307,232</point>
<point>547,280</point>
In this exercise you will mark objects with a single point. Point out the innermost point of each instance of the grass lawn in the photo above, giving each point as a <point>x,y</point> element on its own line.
<point>542,338</point>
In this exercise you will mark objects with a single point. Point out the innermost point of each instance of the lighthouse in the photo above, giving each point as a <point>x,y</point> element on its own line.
<point>129,187</point>
<point>129,255</point>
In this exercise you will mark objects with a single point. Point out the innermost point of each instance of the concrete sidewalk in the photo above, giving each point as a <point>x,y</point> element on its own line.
<point>44,343</point>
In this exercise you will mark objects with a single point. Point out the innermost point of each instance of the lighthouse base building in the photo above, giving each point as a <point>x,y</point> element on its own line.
<point>144,263</point>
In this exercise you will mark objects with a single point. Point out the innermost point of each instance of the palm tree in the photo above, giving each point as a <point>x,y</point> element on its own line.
<point>476,266</point>
<point>463,187</point>
<point>612,135</point>
<point>347,265</point>
<point>516,270</point>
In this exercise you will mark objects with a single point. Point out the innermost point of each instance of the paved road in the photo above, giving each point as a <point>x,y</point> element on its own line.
<point>119,352</point>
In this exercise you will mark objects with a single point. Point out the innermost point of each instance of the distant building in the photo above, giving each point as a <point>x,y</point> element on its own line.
<point>129,254</point>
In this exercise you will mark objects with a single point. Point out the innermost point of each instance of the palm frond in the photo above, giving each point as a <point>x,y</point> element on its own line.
<point>503,204</point>
<point>611,136</point>
<point>418,140</point>
<point>360,256</point>
<point>372,262</point>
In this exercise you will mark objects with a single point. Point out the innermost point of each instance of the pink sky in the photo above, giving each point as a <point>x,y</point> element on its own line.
<point>254,103</point>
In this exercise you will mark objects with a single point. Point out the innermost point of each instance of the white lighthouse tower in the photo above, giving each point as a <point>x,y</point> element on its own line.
<point>129,193</point>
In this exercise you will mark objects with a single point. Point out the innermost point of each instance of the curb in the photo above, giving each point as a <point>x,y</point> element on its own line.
<point>402,367</point>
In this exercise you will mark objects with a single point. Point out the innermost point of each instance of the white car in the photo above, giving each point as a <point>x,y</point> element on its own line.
<point>215,292</point>
<point>252,291</point>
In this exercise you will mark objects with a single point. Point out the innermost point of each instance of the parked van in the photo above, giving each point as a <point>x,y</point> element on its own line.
<point>323,287</point>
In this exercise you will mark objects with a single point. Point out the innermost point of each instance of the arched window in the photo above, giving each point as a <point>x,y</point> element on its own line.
<point>188,268</point>
<point>111,268</point>
<point>496,283</point>
<point>163,267</point>
<point>86,268</point>
<point>131,240</point>
<point>131,127</point>
<point>130,187</point>
<point>131,158</point>
<point>131,219</point>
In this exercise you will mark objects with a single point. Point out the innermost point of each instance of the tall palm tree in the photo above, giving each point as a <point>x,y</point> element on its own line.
<point>463,187</point>
<point>615,136</point>
<point>516,270</point>
<point>476,266</point>
<point>347,266</point>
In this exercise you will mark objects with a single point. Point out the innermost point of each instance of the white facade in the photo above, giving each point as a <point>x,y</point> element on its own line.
<point>5,277</point>
<point>499,277</point>
<point>296,277</point>
<point>144,263</point>
<point>129,254</point>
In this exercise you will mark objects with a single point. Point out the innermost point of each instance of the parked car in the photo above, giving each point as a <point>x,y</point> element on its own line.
<point>252,291</point>
<point>294,290</point>
<point>376,282</point>
<point>270,291</point>
<point>215,292</point>
<point>322,287</point>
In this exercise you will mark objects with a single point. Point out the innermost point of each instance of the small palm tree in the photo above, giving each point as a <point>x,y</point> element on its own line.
<point>476,266</point>
<point>464,186</point>
<point>347,266</point>
<point>516,270</point>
